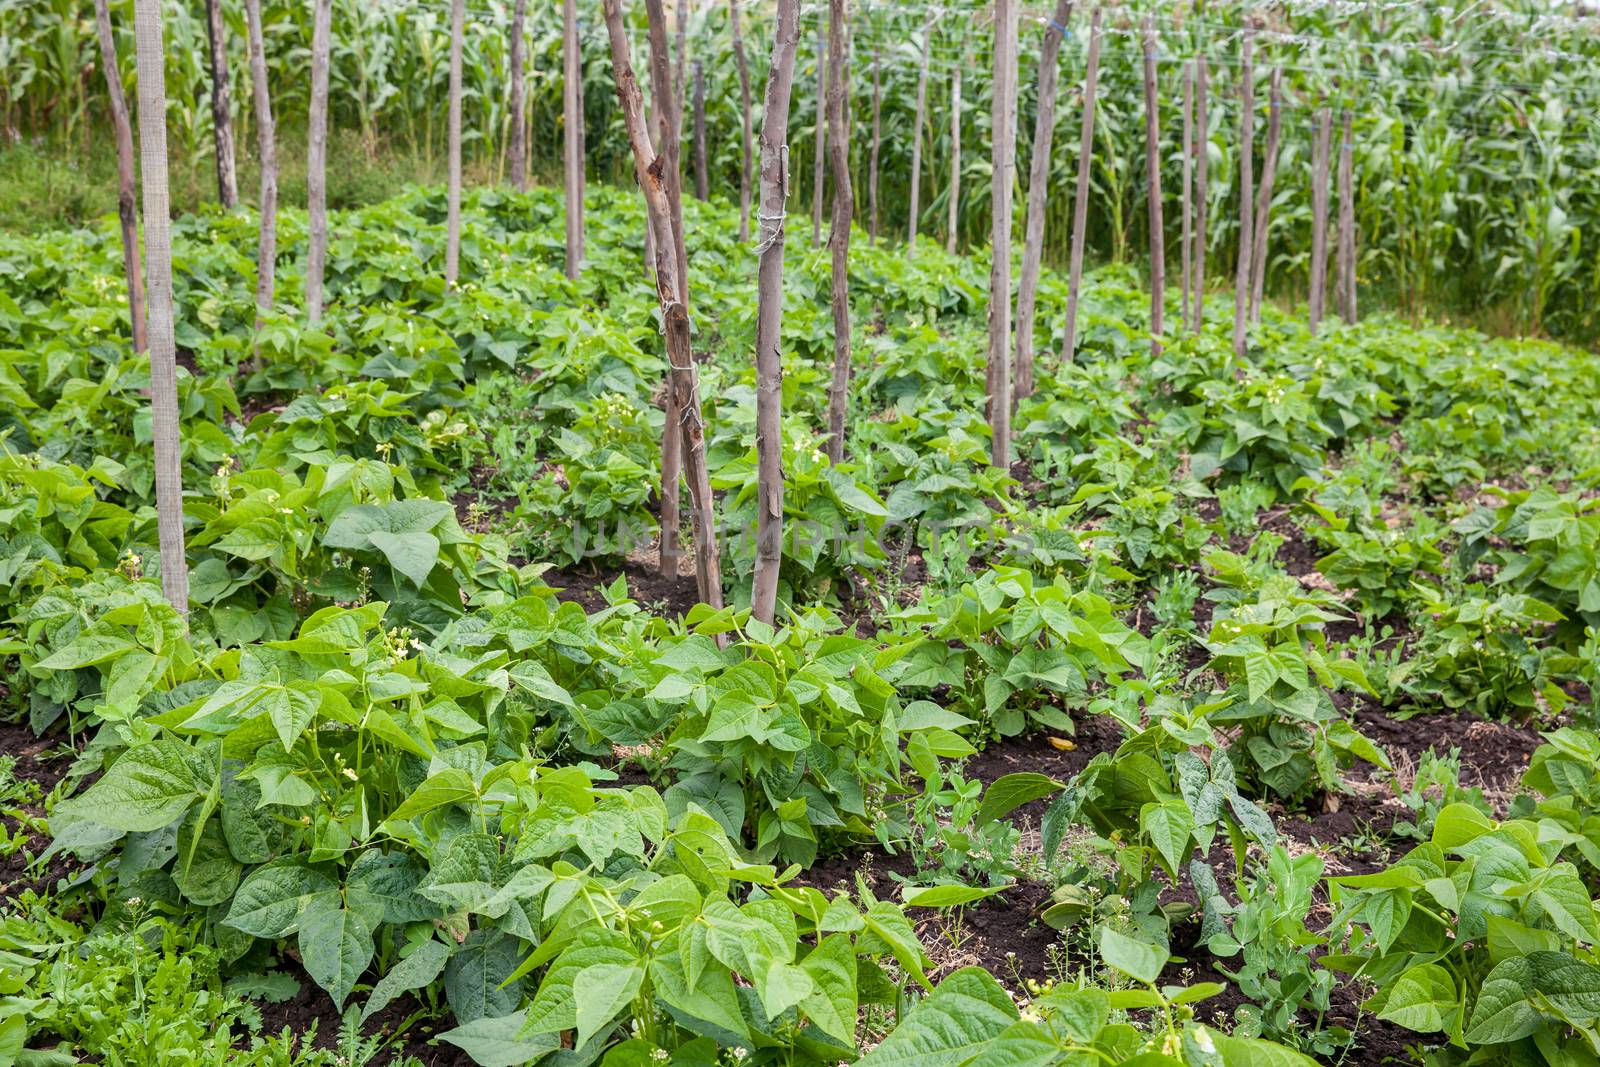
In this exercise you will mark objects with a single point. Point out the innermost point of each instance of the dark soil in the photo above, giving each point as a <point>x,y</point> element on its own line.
<point>1377,1041</point>
<point>16,872</point>
<point>672,596</point>
<point>311,1007</point>
<point>1494,754</point>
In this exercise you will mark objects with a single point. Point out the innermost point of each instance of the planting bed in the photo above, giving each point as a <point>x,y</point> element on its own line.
<point>1249,717</point>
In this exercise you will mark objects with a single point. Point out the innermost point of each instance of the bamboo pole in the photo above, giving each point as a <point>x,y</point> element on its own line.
<point>680,59</point>
<point>872,154</point>
<point>954,205</point>
<point>743,64</point>
<point>164,416</point>
<point>1186,200</point>
<point>1247,148</point>
<point>572,136</point>
<point>769,314</point>
<point>519,127</point>
<point>1003,150</point>
<point>1202,192</point>
<point>1317,299</point>
<point>916,141</point>
<point>221,107</point>
<point>821,137</point>
<point>684,383</point>
<point>127,181</point>
<point>1347,224</point>
<point>839,233</point>
<point>452,239</point>
<point>701,183</point>
<point>317,160</point>
<point>266,135</point>
<point>1080,199</point>
<point>1263,226</point>
<point>1152,156</point>
<point>1038,189</point>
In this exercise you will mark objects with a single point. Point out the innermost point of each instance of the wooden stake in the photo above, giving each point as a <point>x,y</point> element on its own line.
<point>1317,299</point>
<point>680,56</point>
<point>821,137</point>
<point>127,182</point>
<point>769,314</point>
<point>1003,150</point>
<point>164,418</point>
<point>1152,158</point>
<point>1263,225</point>
<point>684,383</point>
<point>519,128</point>
<point>955,154</point>
<point>701,185</point>
<point>572,136</point>
<point>916,141</point>
<point>872,155</point>
<point>1202,192</point>
<point>452,238</point>
<point>664,164</point>
<point>317,159</point>
<point>221,107</point>
<point>744,120</point>
<point>1186,201</point>
<point>1038,189</point>
<point>669,120</point>
<point>1247,148</point>
<point>266,135</point>
<point>1347,223</point>
<point>839,233</point>
<point>1080,199</point>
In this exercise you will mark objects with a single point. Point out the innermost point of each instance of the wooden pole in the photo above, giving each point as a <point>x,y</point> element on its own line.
<point>1038,189</point>
<point>744,120</point>
<point>669,121</point>
<point>1317,298</point>
<point>664,163</point>
<point>680,58</point>
<point>1347,223</point>
<point>1080,198</point>
<point>701,183</point>
<point>164,418</point>
<point>1247,148</point>
<point>954,205</point>
<point>266,135</point>
<point>572,136</point>
<point>916,141</point>
<point>769,314</point>
<point>1186,200</point>
<point>1152,156</point>
<point>1263,226</point>
<point>127,181</point>
<point>452,239</point>
<point>221,107</point>
<point>317,160</point>
<point>872,154</point>
<point>1202,192</point>
<point>519,128</point>
<point>821,138</point>
<point>1003,151</point>
<point>684,382</point>
<point>839,233</point>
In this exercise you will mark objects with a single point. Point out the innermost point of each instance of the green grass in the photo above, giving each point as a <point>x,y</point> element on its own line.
<point>47,186</point>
